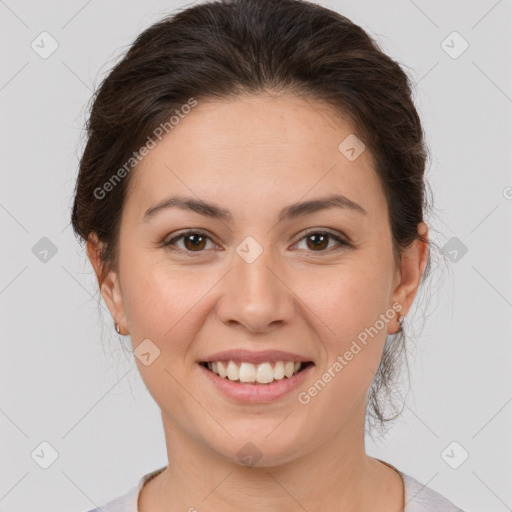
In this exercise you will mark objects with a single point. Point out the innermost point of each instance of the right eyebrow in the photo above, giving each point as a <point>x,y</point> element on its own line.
<point>188,203</point>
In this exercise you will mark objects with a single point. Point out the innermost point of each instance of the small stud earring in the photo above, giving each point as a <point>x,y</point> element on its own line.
<point>118,329</point>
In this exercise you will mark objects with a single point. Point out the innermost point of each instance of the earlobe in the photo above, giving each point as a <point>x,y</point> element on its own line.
<point>414,261</point>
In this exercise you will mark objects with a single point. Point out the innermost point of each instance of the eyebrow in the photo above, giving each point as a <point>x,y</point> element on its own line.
<point>289,212</point>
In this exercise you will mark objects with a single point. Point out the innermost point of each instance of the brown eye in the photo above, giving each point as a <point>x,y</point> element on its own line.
<point>193,241</point>
<point>318,241</point>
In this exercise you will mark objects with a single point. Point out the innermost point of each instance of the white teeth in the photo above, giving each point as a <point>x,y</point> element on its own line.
<point>232,371</point>
<point>221,370</point>
<point>279,370</point>
<point>262,373</point>
<point>247,373</point>
<point>288,368</point>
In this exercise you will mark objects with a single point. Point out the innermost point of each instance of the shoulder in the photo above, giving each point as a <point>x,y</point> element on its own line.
<point>419,498</point>
<point>128,501</point>
<point>125,503</point>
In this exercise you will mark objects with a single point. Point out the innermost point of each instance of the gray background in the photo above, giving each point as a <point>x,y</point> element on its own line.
<point>66,377</point>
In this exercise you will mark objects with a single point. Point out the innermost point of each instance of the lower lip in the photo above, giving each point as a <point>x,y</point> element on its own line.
<point>254,392</point>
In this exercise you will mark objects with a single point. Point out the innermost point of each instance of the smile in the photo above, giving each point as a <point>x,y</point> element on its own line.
<point>245,382</point>
<point>263,373</point>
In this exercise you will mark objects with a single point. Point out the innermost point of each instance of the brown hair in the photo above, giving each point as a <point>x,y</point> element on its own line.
<point>227,48</point>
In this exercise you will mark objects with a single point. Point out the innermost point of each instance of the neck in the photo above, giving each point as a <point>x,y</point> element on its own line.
<point>337,472</point>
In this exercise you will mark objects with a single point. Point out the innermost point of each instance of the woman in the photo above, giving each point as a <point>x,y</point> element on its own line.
<point>252,196</point>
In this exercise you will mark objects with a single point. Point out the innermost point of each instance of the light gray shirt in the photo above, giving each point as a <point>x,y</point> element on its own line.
<point>418,498</point>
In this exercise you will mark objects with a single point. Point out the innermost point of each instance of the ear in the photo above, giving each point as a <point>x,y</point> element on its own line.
<point>109,285</point>
<point>414,261</point>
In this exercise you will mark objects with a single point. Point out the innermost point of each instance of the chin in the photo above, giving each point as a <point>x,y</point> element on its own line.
<point>259,450</point>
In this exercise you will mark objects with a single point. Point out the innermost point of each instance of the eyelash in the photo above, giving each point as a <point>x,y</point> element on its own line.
<point>169,244</point>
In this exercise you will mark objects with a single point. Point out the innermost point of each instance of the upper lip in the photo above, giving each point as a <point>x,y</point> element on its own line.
<point>250,356</point>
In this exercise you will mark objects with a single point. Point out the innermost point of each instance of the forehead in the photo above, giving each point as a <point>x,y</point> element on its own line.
<point>252,147</point>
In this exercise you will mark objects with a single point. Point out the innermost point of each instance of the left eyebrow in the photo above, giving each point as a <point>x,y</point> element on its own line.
<point>321,203</point>
<point>289,212</point>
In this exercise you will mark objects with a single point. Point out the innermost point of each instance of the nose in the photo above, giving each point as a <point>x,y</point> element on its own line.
<point>256,295</point>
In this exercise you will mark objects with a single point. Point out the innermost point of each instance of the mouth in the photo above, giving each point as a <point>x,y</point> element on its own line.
<point>264,373</point>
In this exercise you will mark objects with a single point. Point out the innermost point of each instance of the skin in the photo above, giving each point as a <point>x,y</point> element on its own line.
<point>255,155</point>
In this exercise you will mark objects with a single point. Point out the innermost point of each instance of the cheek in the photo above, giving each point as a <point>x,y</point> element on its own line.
<point>162,309</point>
<point>351,309</point>
<point>352,337</point>
<point>168,305</point>
<point>351,298</point>
<point>158,303</point>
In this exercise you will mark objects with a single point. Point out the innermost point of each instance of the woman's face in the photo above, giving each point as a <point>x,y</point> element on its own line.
<point>263,276</point>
